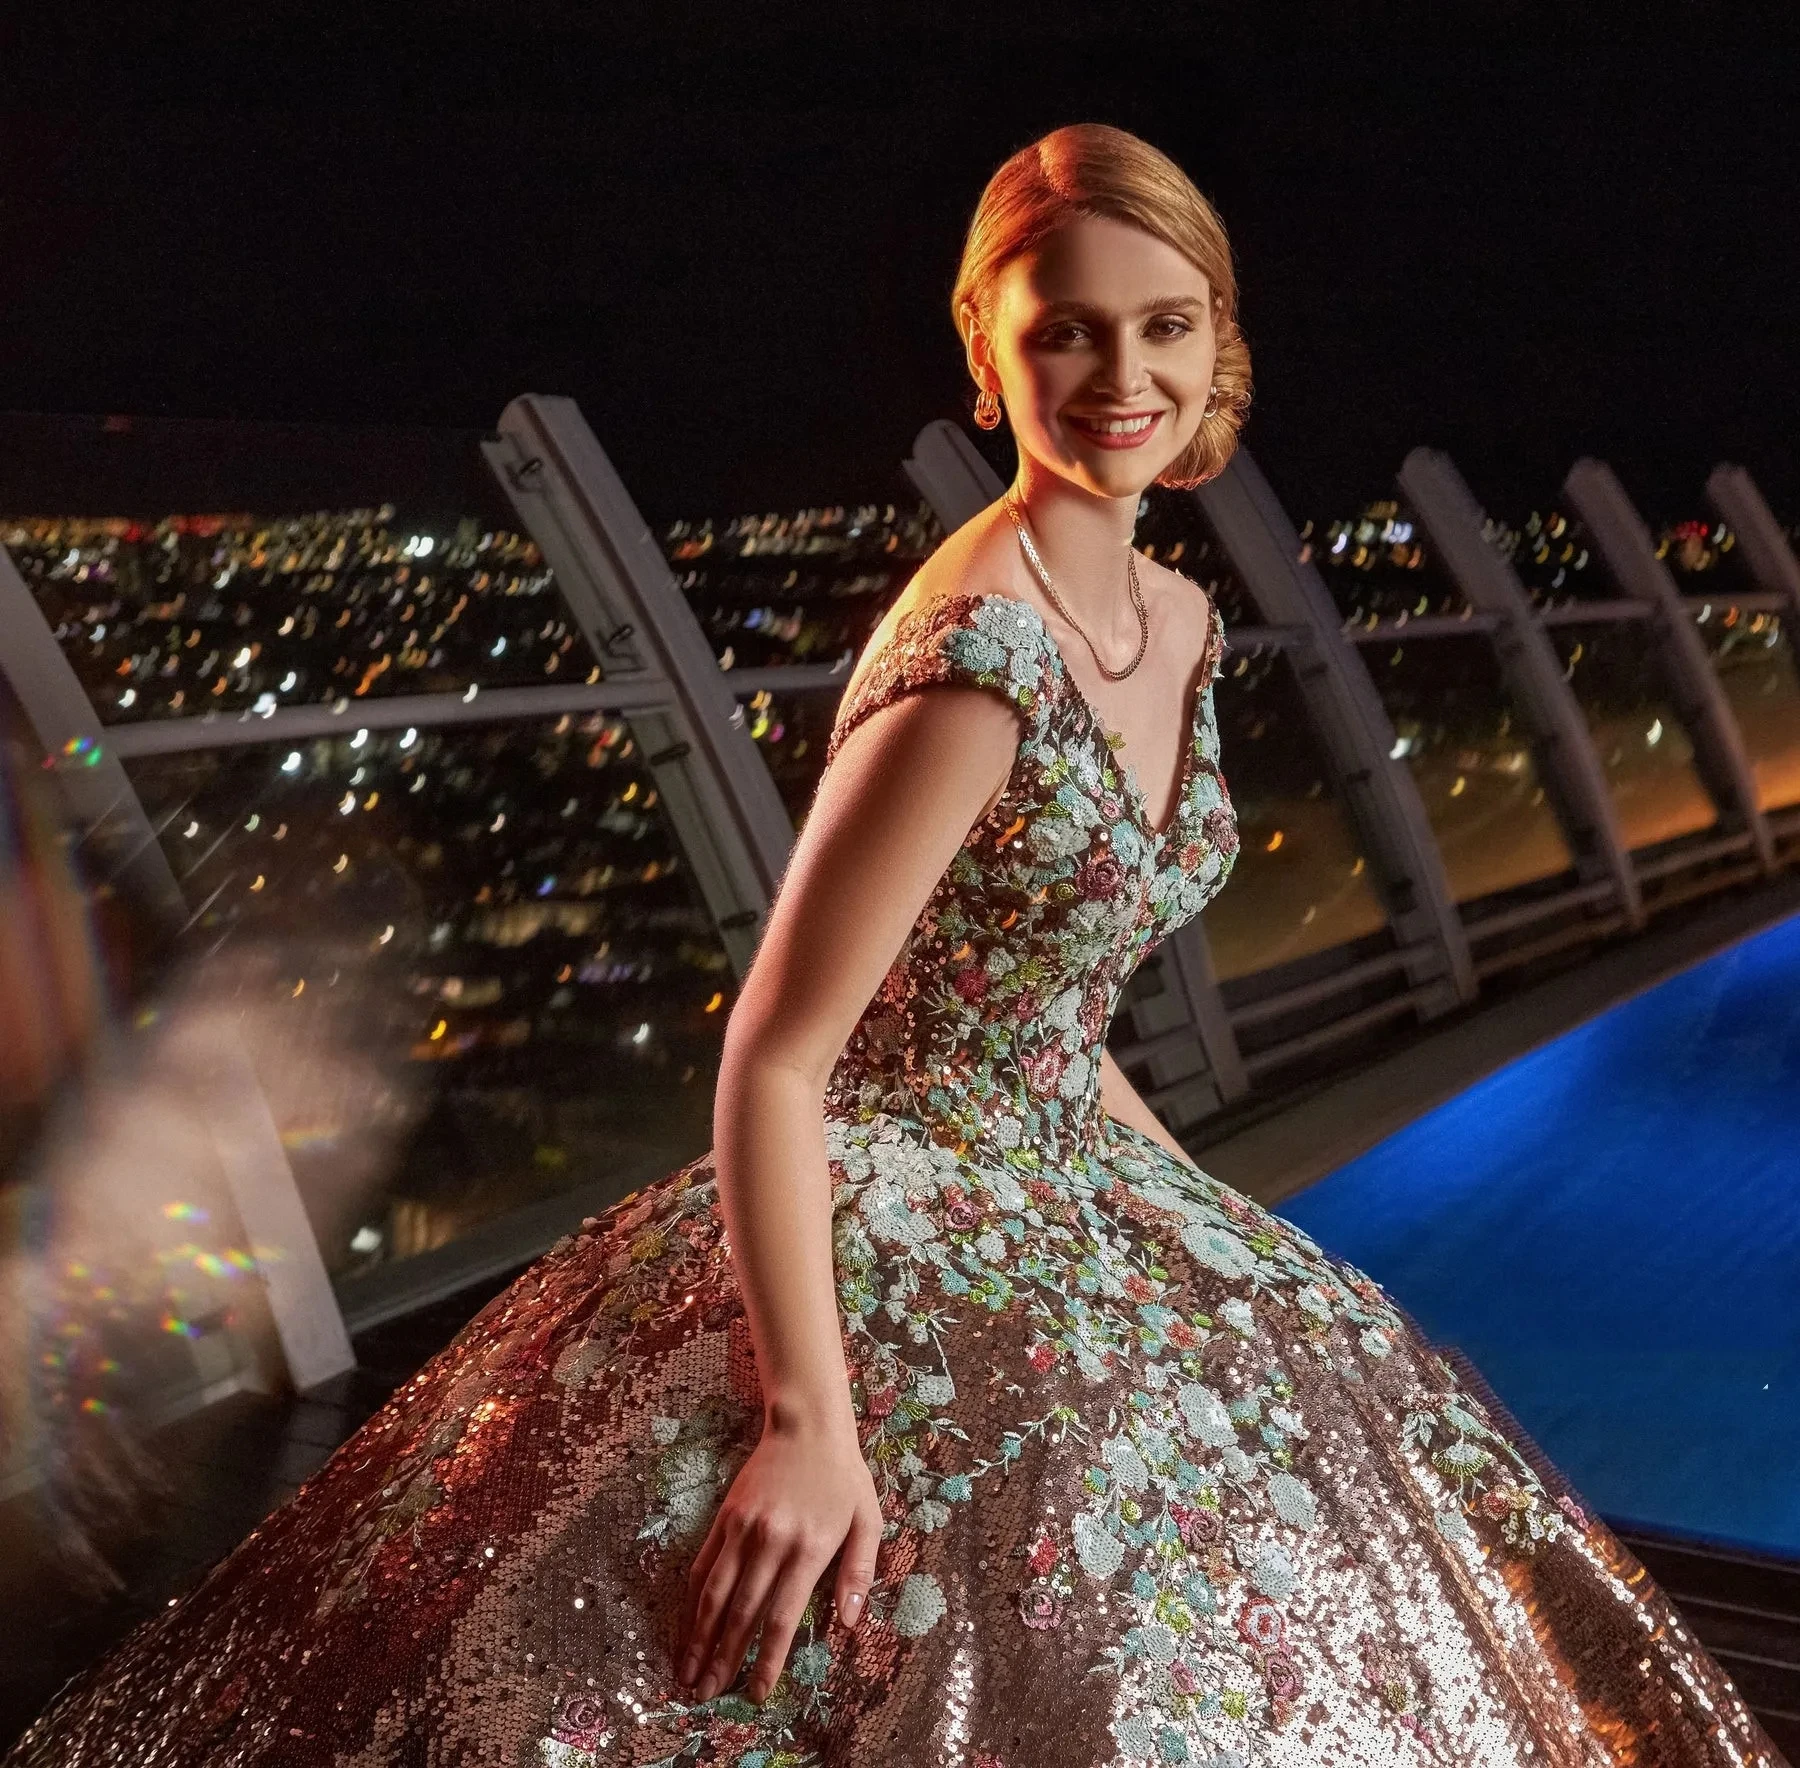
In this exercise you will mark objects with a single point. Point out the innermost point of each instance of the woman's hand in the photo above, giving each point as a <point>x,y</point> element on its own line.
<point>804,1493</point>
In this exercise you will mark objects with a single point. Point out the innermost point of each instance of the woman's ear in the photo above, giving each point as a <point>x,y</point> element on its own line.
<point>975,341</point>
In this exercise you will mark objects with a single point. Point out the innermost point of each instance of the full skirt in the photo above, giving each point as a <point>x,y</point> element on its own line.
<point>1163,1483</point>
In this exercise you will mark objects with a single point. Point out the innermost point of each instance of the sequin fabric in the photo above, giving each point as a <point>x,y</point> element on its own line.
<point>1163,1483</point>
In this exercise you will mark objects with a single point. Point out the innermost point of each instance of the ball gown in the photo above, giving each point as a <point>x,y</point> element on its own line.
<point>1162,1481</point>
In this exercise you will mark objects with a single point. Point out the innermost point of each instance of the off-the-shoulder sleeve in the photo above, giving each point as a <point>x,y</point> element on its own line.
<point>992,642</point>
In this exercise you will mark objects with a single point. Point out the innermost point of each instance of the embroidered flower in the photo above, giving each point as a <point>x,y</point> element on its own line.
<point>1221,829</point>
<point>1040,1606</point>
<point>1261,1623</point>
<point>920,1606</point>
<point>1045,1070</point>
<point>580,1721</point>
<point>1281,1676</point>
<point>1100,878</point>
<point>1272,1572</point>
<point>1197,1526</point>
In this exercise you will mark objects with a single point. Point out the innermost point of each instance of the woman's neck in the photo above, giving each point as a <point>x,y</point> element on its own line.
<point>1082,540</point>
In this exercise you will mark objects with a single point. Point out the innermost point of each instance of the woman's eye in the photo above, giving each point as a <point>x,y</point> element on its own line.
<point>1068,334</point>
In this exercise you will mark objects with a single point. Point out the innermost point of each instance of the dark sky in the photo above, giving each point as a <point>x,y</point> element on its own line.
<point>1468,224</point>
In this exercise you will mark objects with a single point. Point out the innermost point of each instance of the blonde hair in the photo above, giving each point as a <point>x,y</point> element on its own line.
<point>1089,169</point>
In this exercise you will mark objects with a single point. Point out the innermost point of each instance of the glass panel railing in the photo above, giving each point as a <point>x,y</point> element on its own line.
<point>791,731</point>
<point>1704,558</point>
<point>800,587</point>
<point>475,966</point>
<point>1553,558</point>
<point>1646,753</point>
<point>1299,883</point>
<point>1378,565</point>
<point>231,613</point>
<point>475,971</point>
<point>1468,750</point>
<point>1753,654</point>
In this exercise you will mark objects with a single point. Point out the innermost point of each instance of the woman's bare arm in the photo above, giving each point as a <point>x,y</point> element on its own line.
<point>898,801</point>
<point>1120,1099</point>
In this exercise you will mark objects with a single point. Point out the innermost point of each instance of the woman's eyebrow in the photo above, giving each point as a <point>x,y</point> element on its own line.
<point>1160,304</point>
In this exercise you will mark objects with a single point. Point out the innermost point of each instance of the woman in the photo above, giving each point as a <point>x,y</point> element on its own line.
<point>946,1394</point>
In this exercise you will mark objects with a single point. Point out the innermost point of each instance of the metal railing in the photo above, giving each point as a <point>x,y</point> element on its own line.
<point>1197,1045</point>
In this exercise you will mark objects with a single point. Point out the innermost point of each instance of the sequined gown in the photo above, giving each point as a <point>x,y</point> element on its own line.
<point>1163,1482</point>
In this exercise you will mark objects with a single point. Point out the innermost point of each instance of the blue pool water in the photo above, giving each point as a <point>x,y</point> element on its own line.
<point>1610,1228</point>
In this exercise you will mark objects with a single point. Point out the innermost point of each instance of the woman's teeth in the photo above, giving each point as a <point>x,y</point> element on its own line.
<point>1126,426</point>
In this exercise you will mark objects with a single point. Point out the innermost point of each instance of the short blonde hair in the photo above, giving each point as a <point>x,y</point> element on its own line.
<point>1088,169</point>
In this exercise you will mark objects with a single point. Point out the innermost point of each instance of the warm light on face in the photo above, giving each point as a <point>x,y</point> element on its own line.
<point>1102,320</point>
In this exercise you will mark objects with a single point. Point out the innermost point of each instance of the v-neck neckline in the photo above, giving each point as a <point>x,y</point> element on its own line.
<point>1127,774</point>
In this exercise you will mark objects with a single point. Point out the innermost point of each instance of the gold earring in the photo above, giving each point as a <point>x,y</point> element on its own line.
<point>1212,410</point>
<point>987,409</point>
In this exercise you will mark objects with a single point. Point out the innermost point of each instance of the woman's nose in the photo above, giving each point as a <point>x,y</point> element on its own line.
<point>1123,370</point>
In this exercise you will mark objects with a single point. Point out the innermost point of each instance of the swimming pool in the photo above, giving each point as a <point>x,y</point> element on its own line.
<point>1610,1228</point>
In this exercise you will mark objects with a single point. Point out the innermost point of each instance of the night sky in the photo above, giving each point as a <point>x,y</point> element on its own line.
<point>1499,234</point>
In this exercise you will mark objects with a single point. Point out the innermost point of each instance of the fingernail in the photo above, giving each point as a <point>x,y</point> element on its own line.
<point>852,1603</point>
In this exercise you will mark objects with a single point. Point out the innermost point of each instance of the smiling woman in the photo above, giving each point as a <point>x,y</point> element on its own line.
<point>946,1401</point>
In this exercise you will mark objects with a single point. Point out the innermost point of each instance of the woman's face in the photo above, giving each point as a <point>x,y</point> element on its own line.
<point>1102,322</point>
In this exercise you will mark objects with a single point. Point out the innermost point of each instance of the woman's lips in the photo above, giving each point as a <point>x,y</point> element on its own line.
<point>1102,438</point>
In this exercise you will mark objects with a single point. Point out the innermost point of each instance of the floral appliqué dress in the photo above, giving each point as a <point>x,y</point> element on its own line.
<point>1163,1482</point>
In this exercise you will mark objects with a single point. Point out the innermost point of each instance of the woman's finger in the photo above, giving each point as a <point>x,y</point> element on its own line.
<point>711,1591</point>
<point>698,1574</point>
<point>742,1610</point>
<point>856,1564</point>
<point>781,1618</point>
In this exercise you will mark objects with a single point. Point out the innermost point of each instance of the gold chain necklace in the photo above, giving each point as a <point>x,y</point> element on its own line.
<point>1056,601</point>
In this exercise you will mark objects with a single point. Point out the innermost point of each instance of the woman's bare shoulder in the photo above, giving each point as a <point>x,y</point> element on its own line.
<point>960,568</point>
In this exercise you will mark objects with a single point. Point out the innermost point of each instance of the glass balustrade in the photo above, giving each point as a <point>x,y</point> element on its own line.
<point>1467,746</point>
<point>1299,883</point>
<point>1646,753</point>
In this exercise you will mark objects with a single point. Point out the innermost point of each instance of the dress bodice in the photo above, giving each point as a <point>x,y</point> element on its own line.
<point>991,1023</point>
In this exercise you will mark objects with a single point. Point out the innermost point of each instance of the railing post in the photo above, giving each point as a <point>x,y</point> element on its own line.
<point>1190,959</point>
<point>722,803</point>
<point>96,791</point>
<point>1377,790</point>
<point>950,474</point>
<point>1625,544</point>
<point>1739,503</point>
<point>1570,768</point>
